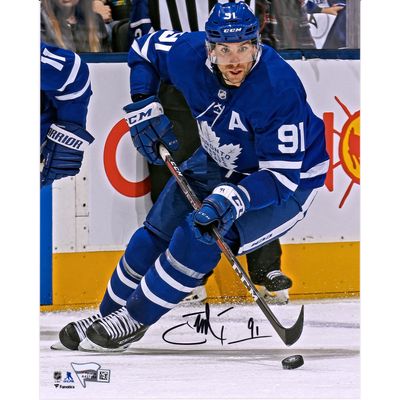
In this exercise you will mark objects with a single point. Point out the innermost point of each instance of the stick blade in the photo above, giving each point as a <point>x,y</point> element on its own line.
<point>292,335</point>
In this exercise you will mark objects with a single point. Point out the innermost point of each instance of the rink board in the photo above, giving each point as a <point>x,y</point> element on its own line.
<point>318,270</point>
<point>94,214</point>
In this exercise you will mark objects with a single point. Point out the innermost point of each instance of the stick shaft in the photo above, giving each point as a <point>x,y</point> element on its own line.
<point>288,335</point>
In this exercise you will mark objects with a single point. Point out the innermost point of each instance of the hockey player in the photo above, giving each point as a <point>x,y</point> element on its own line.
<point>65,92</point>
<point>261,163</point>
<point>264,264</point>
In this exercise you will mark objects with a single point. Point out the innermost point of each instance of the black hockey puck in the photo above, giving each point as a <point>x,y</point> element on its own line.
<point>292,362</point>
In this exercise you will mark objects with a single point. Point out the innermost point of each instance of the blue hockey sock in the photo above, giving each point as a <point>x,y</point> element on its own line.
<point>174,274</point>
<point>141,252</point>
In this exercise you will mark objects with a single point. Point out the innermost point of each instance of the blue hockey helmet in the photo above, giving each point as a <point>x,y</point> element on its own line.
<point>231,22</point>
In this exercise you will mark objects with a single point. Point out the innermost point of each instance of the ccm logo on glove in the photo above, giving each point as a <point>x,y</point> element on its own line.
<point>152,110</point>
<point>57,134</point>
<point>232,195</point>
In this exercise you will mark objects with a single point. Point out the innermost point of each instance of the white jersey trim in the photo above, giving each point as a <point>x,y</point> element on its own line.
<point>281,228</point>
<point>280,164</point>
<point>74,95</point>
<point>283,179</point>
<point>316,170</point>
<point>145,47</point>
<point>74,72</point>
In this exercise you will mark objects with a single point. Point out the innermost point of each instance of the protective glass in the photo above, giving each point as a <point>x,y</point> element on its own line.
<point>233,53</point>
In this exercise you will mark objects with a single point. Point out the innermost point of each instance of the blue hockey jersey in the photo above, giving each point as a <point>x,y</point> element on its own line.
<point>65,87</point>
<point>263,129</point>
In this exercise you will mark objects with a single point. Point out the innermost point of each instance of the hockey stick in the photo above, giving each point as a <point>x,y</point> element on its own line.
<point>288,335</point>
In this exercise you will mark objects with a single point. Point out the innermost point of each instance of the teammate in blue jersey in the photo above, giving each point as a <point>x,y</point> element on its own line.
<point>257,172</point>
<point>65,93</point>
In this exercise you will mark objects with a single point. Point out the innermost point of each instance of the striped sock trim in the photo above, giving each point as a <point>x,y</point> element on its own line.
<point>153,298</point>
<point>182,268</point>
<point>113,296</point>
<point>129,270</point>
<point>169,280</point>
<point>124,279</point>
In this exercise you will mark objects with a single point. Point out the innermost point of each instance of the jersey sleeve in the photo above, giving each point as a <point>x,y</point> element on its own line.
<point>280,148</point>
<point>148,60</point>
<point>65,81</point>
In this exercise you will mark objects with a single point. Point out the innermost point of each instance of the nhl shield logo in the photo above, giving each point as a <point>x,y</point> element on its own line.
<point>222,94</point>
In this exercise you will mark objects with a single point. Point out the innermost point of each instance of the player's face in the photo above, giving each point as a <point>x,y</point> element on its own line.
<point>234,60</point>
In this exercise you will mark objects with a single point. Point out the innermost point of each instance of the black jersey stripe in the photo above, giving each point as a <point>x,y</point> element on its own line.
<point>192,15</point>
<point>154,13</point>
<point>174,15</point>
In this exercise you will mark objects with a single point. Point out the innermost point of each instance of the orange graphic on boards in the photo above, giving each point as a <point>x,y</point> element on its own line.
<point>119,182</point>
<point>348,149</point>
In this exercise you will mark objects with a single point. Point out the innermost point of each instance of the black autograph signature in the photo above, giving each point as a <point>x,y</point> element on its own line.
<point>203,327</point>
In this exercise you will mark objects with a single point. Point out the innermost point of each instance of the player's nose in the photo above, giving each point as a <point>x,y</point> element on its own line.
<point>234,59</point>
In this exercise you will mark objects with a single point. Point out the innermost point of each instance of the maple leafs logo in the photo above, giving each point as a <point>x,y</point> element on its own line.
<point>225,155</point>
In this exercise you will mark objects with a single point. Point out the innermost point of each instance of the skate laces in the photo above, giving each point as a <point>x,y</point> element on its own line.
<point>82,325</point>
<point>119,324</point>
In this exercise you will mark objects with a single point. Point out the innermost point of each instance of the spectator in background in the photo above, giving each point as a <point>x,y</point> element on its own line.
<point>292,27</point>
<point>336,38</point>
<point>289,25</point>
<point>267,22</point>
<point>73,25</point>
<point>332,8</point>
<point>112,11</point>
<point>102,8</point>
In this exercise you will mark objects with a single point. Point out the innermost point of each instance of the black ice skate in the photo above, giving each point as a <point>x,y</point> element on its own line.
<point>72,334</point>
<point>113,333</point>
<point>276,287</point>
<point>277,281</point>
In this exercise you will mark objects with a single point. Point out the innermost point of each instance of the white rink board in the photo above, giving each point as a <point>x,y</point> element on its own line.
<point>108,218</point>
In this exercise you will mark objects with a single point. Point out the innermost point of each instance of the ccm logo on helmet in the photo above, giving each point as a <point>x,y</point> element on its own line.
<point>232,30</point>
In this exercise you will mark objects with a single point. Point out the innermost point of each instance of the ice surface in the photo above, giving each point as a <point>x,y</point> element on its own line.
<point>175,361</point>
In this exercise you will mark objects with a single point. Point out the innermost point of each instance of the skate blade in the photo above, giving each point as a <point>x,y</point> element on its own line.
<point>59,346</point>
<point>280,297</point>
<point>88,346</point>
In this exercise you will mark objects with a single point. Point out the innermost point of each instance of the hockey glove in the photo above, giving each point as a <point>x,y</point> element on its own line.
<point>149,127</point>
<point>62,151</point>
<point>221,208</point>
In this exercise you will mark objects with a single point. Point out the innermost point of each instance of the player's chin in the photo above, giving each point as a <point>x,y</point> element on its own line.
<point>235,76</point>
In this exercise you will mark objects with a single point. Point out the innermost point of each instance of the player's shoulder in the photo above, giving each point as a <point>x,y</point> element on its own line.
<point>187,56</point>
<point>51,54</point>
<point>190,46</point>
<point>280,76</point>
<point>57,65</point>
